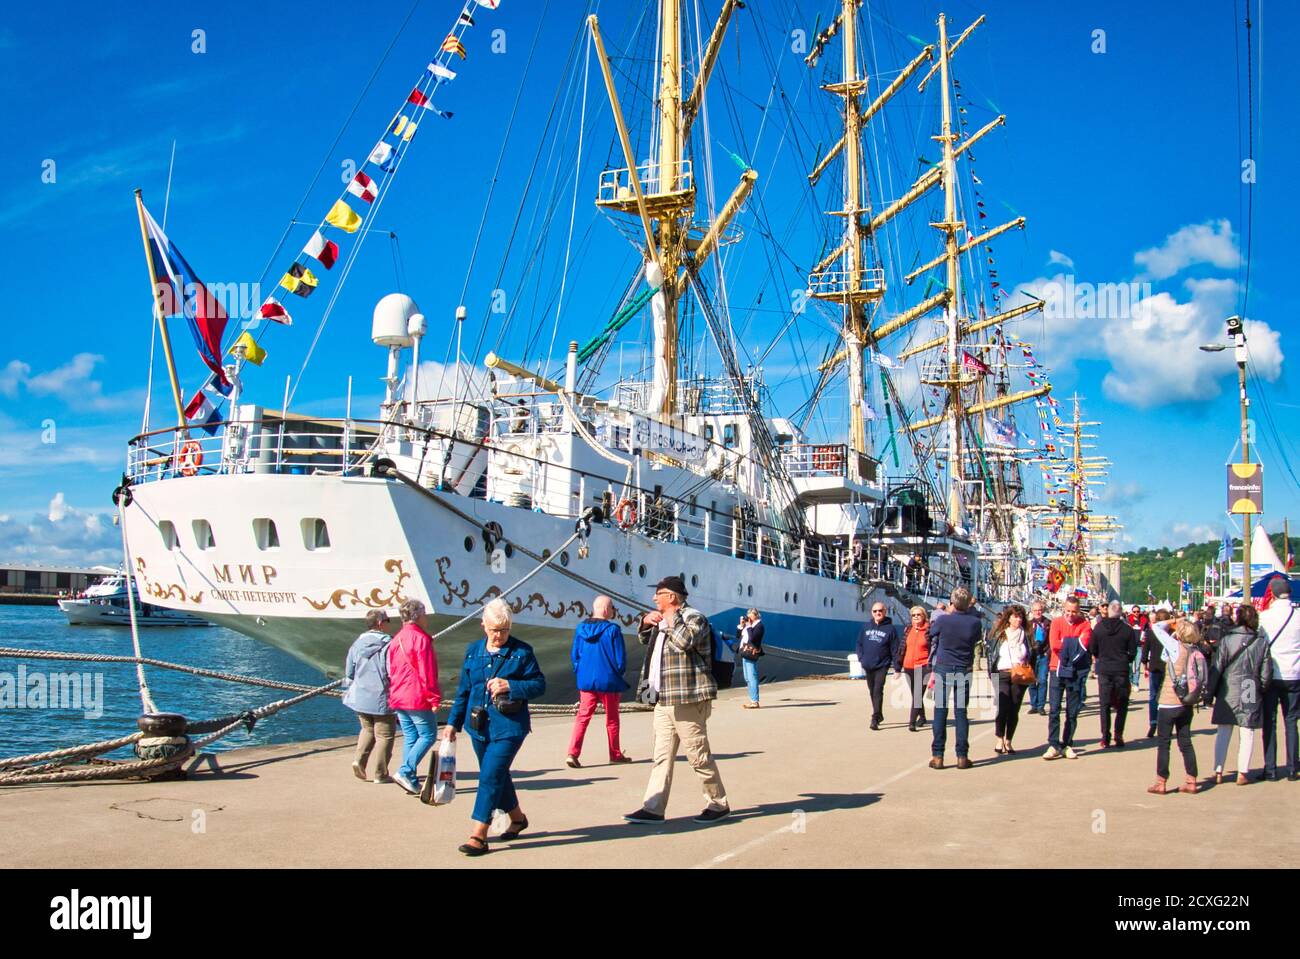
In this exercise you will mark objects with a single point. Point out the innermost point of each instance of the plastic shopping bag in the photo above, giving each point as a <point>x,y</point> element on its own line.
<point>444,787</point>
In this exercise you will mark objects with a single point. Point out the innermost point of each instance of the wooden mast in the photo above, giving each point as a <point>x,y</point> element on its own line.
<point>158,311</point>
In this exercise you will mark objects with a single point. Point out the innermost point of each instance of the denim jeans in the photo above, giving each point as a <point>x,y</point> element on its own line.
<point>1038,691</point>
<point>951,686</point>
<point>1072,690</point>
<point>496,790</point>
<point>750,668</point>
<point>1284,693</point>
<point>419,731</point>
<point>1156,679</point>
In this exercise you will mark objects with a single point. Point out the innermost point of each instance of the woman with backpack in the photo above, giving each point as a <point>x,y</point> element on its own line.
<point>1185,674</point>
<point>1242,670</point>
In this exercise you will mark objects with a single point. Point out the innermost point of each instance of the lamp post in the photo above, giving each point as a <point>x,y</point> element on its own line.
<point>1237,336</point>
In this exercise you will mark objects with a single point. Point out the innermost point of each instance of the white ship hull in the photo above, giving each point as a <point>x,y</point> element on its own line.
<point>88,612</point>
<point>388,543</point>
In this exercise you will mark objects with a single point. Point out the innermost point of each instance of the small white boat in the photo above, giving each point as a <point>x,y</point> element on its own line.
<point>105,604</point>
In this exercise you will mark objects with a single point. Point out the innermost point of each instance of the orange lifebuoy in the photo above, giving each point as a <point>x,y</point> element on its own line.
<point>625,514</point>
<point>191,457</point>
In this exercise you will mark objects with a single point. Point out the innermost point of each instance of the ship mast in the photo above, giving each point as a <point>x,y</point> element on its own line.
<point>662,192</point>
<point>949,227</point>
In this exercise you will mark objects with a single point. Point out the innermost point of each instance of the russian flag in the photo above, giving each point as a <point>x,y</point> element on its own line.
<point>184,293</point>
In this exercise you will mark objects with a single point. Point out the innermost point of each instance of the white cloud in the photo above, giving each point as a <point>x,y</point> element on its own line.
<point>76,538</point>
<point>72,383</point>
<point>1152,341</point>
<point>451,379</point>
<point>1059,258</point>
<point>1212,243</point>
<point>58,508</point>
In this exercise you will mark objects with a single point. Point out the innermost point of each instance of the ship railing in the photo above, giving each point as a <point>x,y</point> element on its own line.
<point>870,281</point>
<point>348,447</point>
<point>616,184</point>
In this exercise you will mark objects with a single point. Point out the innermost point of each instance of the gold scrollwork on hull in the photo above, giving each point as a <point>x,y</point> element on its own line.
<point>535,601</point>
<point>376,599</point>
<point>161,591</point>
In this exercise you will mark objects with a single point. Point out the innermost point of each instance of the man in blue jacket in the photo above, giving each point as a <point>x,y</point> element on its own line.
<point>878,646</point>
<point>599,657</point>
<point>953,640</point>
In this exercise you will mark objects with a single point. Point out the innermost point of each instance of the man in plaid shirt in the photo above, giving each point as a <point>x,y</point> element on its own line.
<point>678,672</point>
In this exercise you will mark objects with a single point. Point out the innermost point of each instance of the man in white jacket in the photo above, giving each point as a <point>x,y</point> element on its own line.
<point>1281,624</point>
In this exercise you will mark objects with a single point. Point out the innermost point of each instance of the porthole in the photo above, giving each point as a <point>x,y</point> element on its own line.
<point>796,599</point>
<point>695,581</point>
<point>740,589</point>
<point>749,590</point>
<point>832,603</point>
<point>203,537</point>
<point>167,529</point>
<point>564,558</point>
<point>613,566</point>
<point>265,534</point>
<point>640,571</point>
<point>787,596</point>
<point>469,544</point>
<point>315,534</point>
<point>546,554</point>
<point>627,569</point>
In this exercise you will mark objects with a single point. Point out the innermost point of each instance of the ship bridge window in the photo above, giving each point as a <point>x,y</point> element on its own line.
<point>315,534</point>
<point>708,432</point>
<point>203,534</point>
<point>729,435</point>
<point>167,529</point>
<point>265,533</point>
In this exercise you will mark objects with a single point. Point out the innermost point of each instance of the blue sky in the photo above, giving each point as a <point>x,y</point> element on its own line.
<point>1127,164</point>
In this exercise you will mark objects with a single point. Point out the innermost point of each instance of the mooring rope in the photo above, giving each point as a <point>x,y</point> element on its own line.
<point>122,497</point>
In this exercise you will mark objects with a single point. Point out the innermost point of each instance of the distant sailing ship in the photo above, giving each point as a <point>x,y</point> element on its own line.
<point>290,528</point>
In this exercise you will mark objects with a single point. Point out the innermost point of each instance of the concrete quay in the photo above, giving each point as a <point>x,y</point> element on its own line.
<point>810,787</point>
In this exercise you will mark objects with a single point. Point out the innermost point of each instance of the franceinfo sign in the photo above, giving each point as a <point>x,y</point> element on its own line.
<point>1245,488</point>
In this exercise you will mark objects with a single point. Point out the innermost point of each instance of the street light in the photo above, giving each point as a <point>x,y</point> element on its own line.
<point>1237,334</point>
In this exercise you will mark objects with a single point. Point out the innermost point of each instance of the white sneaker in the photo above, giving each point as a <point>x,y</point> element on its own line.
<point>410,787</point>
<point>1070,753</point>
<point>1052,753</point>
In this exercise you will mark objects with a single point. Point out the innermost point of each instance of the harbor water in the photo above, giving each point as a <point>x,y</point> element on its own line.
<point>59,703</point>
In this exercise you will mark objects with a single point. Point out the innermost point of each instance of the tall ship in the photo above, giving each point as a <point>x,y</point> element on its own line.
<point>549,481</point>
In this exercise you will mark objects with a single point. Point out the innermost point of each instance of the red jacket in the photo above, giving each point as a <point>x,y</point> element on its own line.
<point>412,670</point>
<point>1061,628</point>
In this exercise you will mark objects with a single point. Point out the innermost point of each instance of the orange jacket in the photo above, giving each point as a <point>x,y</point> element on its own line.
<point>917,643</point>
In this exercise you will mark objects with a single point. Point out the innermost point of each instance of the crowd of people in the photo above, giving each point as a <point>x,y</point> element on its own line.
<point>1242,664</point>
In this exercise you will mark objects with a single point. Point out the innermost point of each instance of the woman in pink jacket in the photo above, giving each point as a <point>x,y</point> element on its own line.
<point>413,691</point>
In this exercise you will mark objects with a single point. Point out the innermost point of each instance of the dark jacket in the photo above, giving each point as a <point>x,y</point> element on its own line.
<point>1114,646</point>
<point>756,636</point>
<point>1239,693</point>
<point>993,647</point>
<point>599,656</point>
<point>1039,631</point>
<point>879,644</point>
<point>526,683</point>
<point>953,640</point>
<point>1151,650</point>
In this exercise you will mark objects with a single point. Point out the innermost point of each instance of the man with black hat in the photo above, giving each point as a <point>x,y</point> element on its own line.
<point>678,679</point>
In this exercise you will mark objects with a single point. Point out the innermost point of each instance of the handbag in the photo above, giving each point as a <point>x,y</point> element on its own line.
<point>1023,675</point>
<point>503,703</point>
<point>749,652</point>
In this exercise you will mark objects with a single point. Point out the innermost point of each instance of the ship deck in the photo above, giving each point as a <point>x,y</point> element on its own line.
<point>809,784</point>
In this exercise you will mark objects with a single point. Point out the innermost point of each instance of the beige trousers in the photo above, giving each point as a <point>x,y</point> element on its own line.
<point>684,725</point>
<point>377,734</point>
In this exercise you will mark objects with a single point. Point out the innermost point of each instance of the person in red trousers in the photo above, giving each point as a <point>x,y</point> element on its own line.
<point>599,657</point>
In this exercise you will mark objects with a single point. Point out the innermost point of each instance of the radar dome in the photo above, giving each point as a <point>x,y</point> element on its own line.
<point>390,325</point>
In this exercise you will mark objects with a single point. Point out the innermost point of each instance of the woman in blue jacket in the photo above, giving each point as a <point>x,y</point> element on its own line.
<point>499,677</point>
